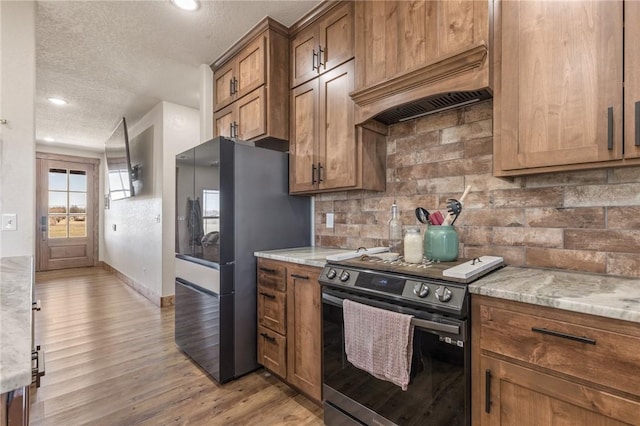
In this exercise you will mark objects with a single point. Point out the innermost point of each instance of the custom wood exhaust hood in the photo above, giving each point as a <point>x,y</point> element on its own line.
<point>416,58</point>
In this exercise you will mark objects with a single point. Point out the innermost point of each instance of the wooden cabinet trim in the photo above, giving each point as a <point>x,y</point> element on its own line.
<point>460,61</point>
<point>312,17</point>
<point>267,23</point>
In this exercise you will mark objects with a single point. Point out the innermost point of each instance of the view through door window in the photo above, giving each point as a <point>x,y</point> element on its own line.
<point>67,203</point>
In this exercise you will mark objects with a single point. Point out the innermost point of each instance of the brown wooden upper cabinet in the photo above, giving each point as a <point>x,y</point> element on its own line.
<point>558,101</point>
<point>324,44</point>
<point>393,37</point>
<point>327,151</point>
<point>407,51</point>
<point>251,86</point>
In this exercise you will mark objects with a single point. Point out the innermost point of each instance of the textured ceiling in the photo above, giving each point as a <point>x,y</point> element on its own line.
<point>111,59</point>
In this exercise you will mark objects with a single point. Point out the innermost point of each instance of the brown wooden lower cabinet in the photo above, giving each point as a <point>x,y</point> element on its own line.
<point>538,366</point>
<point>289,324</point>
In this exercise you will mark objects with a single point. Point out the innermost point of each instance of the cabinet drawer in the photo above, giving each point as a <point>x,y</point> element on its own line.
<point>272,351</point>
<point>272,274</point>
<point>272,309</point>
<point>582,351</point>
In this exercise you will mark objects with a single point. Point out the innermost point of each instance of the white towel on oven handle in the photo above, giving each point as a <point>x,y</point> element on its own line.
<point>379,342</point>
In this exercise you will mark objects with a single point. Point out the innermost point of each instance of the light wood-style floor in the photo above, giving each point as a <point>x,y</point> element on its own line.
<point>111,360</point>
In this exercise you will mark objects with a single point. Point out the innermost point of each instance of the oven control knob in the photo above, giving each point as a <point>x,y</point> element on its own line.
<point>421,290</point>
<point>344,276</point>
<point>443,294</point>
<point>331,274</point>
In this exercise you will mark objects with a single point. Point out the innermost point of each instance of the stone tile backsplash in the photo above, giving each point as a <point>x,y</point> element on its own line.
<point>584,221</point>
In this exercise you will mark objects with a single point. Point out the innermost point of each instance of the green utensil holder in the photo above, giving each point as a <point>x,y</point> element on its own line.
<point>441,243</point>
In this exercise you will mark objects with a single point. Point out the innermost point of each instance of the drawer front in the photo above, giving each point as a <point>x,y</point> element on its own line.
<point>272,351</point>
<point>272,309</point>
<point>589,353</point>
<point>272,274</point>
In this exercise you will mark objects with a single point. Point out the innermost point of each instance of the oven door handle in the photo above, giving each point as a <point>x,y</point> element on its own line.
<point>417,322</point>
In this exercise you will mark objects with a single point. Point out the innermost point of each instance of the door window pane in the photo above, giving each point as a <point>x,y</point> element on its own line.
<point>77,180</point>
<point>78,226</point>
<point>57,202</point>
<point>77,202</point>
<point>57,180</point>
<point>57,226</point>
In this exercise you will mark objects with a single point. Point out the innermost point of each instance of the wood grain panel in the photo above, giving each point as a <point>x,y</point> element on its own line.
<point>520,396</point>
<point>223,120</point>
<point>272,351</point>
<point>222,86</point>
<point>337,142</point>
<point>304,136</point>
<point>302,61</point>
<point>252,118</point>
<point>456,25</point>
<point>304,323</point>
<point>272,274</point>
<point>336,36</point>
<point>632,79</point>
<point>272,309</point>
<point>251,67</point>
<point>561,70</point>
<point>62,252</point>
<point>111,359</point>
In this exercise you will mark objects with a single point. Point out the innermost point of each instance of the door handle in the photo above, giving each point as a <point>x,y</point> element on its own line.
<point>314,58</point>
<point>637,111</point>
<point>269,338</point>
<point>610,128</point>
<point>320,172</point>
<point>267,295</point>
<point>320,63</point>
<point>487,391</point>
<point>313,174</point>
<point>231,87</point>
<point>580,339</point>
<point>301,277</point>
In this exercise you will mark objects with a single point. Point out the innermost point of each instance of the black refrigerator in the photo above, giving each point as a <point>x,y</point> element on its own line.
<point>232,199</point>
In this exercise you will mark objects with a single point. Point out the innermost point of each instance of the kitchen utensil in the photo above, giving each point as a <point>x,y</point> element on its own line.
<point>454,207</point>
<point>451,217</point>
<point>436,218</point>
<point>422,215</point>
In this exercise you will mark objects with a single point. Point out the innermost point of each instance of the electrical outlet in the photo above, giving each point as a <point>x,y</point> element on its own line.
<point>9,222</point>
<point>329,220</point>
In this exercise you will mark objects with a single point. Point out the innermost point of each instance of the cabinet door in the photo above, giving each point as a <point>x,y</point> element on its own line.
<point>336,37</point>
<point>323,45</point>
<point>223,82</point>
<point>272,351</point>
<point>524,397</point>
<point>304,137</point>
<point>272,309</point>
<point>394,37</point>
<point>223,120</point>
<point>632,79</point>
<point>337,162</point>
<point>561,83</point>
<point>304,56</point>
<point>251,68</point>
<point>304,352</point>
<point>252,119</point>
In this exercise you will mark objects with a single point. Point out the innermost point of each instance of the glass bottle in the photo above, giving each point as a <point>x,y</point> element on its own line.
<point>395,231</point>
<point>413,245</point>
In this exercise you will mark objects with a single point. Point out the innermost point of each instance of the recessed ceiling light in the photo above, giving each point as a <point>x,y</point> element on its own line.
<point>189,5</point>
<point>49,139</point>
<point>57,101</point>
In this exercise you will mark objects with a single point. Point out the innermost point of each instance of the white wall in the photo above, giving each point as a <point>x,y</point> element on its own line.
<point>141,247</point>
<point>181,132</point>
<point>17,137</point>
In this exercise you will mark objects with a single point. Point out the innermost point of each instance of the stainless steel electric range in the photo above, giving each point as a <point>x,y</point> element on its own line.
<point>439,388</point>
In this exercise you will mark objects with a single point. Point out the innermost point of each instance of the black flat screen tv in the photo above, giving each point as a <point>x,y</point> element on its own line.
<point>120,173</point>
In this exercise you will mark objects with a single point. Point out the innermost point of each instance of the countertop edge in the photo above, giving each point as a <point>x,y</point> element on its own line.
<point>603,296</point>
<point>16,277</point>
<point>310,256</point>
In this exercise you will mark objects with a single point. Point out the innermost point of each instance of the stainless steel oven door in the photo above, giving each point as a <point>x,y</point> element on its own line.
<point>439,390</point>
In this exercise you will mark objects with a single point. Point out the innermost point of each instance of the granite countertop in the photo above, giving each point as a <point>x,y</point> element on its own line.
<point>312,256</point>
<point>16,277</point>
<point>606,296</point>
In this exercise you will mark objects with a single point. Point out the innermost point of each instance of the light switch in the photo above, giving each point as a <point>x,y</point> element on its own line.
<point>329,220</point>
<point>9,222</point>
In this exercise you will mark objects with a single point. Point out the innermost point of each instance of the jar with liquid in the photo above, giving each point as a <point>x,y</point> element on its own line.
<point>412,245</point>
<point>441,243</point>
